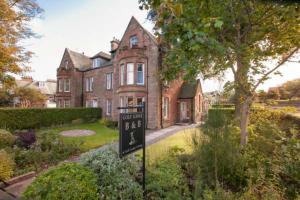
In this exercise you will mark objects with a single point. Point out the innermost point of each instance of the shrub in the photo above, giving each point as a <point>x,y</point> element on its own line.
<point>271,102</point>
<point>68,181</point>
<point>6,166</point>
<point>33,118</point>
<point>6,139</point>
<point>223,106</point>
<point>116,177</point>
<point>25,138</point>
<point>165,180</point>
<point>108,123</point>
<point>49,149</point>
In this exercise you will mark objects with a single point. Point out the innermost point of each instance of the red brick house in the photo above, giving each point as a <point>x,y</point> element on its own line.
<point>129,75</point>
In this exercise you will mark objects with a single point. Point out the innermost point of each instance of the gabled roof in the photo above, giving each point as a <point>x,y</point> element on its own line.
<point>134,20</point>
<point>188,90</point>
<point>49,87</point>
<point>102,55</point>
<point>80,61</point>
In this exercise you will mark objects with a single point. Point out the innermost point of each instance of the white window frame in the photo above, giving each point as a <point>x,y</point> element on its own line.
<point>96,62</point>
<point>60,85</point>
<point>67,105</point>
<point>109,77</point>
<point>133,41</point>
<point>67,82</point>
<point>122,104</point>
<point>166,102</point>
<point>143,73</point>
<point>89,84</point>
<point>108,107</point>
<point>94,103</point>
<point>122,74</point>
<point>130,73</point>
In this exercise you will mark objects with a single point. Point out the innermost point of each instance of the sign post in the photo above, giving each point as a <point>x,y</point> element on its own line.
<point>132,134</point>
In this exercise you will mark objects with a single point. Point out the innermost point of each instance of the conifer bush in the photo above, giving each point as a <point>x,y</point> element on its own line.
<point>6,165</point>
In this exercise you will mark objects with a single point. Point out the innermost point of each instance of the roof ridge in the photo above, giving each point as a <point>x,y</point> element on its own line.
<point>148,32</point>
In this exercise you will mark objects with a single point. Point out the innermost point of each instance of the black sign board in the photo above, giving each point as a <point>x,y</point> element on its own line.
<point>131,132</point>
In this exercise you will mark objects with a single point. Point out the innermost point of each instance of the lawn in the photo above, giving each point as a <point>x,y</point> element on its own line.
<point>103,135</point>
<point>181,140</point>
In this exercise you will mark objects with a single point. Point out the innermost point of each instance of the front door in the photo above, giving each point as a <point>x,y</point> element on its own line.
<point>183,111</point>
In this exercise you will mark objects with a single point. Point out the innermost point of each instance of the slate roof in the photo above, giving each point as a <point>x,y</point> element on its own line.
<point>49,87</point>
<point>188,90</point>
<point>102,55</point>
<point>79,60</point>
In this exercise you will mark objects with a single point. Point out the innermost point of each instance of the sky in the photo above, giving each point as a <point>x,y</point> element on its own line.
<point>89,25</point>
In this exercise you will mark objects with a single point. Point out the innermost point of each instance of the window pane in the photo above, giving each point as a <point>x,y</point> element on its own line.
<point>130,74</point>
<point>109,81</point>
<point>133,41</point>
<point>108,107</point>
<point>140,70</point>
<point>60,85</point>
<point>91,84</point>
<point>87,84</point>
<point>122,74</point>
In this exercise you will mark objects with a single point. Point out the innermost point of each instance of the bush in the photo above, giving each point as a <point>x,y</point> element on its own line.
<point>271,102</point>
<point>108,123</point>
<point>165,180</point>
<point>6,139</point>
<point>68,181</point>
<point>49,149</point>
<point>6,166</point>
<point>25,138</point>
<point>223,106</point>
<point>12,119</point>
<point>116,177</point>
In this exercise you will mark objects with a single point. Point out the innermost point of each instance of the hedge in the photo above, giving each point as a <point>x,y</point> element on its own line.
<point>228,113</point>
<point>223,106</point>
<point>12,119</point>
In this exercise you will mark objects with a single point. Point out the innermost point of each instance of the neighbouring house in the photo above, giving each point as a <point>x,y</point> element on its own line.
<point>47,88</point>
<point>129,75</point>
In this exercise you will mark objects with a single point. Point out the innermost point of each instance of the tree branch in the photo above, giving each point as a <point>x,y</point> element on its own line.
<point>279,64</point>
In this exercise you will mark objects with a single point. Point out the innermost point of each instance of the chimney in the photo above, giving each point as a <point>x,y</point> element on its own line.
<point>114,44</point>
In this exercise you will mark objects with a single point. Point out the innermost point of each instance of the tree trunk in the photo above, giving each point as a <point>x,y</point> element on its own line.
<point>245,111</point>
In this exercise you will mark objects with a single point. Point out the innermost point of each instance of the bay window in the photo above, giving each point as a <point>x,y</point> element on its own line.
<point>140,74</point>
<point>67,85</point>
<point>122,74</point>
<point>130,73</point>
<point>60,85</point>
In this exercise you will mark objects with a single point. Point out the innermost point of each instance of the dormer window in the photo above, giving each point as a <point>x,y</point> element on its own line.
<point>133,41</point>
<point>96,62</point>
<point>66,64</point>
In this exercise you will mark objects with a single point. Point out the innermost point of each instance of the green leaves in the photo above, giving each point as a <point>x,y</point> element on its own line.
<point>218,23</point>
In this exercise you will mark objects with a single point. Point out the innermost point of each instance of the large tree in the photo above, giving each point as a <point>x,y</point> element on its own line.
<point>15,16</point>
<point>251,38</point>
<point>291,89</point>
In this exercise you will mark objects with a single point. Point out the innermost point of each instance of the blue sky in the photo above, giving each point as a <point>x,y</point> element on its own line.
<point>88,26</point>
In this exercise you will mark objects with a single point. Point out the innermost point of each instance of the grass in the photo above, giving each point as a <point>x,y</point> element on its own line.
<point>103,135</point>
<point>181,140</point>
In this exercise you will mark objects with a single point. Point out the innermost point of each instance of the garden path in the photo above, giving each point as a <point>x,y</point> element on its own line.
<point>152,136</point>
